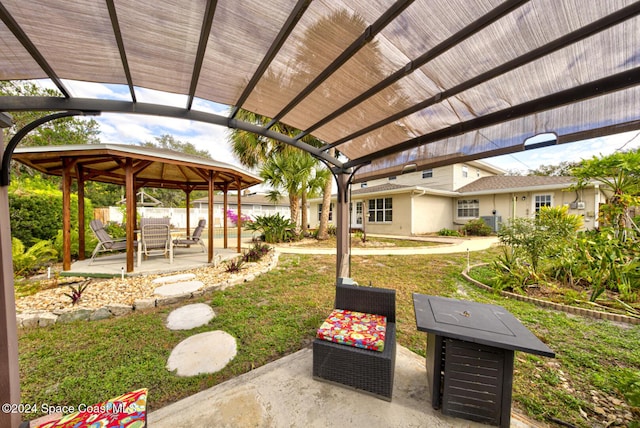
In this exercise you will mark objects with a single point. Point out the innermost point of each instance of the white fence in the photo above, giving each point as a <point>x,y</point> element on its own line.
<point>178,216</point>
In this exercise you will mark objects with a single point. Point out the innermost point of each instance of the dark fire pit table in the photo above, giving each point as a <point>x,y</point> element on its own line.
<point>470,349</point>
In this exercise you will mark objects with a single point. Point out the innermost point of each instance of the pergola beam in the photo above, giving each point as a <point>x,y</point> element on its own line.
<point>92,106</point>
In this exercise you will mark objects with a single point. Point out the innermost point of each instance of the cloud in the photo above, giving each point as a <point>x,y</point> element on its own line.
<point>570,152</point>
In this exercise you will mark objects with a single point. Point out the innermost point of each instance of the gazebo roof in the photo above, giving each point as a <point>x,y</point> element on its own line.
<point>389,84</point>
<point>152,167</point>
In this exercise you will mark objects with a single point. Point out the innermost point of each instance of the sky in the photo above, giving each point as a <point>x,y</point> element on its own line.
<point>135,129</point>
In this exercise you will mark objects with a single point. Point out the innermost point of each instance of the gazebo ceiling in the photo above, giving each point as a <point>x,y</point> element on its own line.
<point>389,84</point>
<point>151,167</point>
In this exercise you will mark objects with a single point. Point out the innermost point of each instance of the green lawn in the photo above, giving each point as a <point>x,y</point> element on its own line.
<point>277,314</point>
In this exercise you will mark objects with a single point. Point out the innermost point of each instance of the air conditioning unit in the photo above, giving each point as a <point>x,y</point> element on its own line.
<point>493,221</point>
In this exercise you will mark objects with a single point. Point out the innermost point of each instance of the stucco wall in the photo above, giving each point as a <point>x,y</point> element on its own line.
<point>431,214</point>
<point>524,204</point>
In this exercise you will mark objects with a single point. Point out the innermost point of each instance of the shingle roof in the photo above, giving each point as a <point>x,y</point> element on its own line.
<point>252,198</point>
<point>387,187</point>
<point>504,182</point>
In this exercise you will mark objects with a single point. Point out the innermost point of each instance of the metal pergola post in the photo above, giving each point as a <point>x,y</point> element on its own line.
<point>9,371</point>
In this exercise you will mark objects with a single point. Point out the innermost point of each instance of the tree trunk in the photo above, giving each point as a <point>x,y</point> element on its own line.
<point>303,208</point>
<point>293,207</point>
<point>323,228</point>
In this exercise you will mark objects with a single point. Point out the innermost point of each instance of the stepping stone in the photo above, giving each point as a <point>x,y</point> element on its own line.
<point>178,288</point>
<point>190,316</point>
<point>174,278</point>
<point>203,353</point>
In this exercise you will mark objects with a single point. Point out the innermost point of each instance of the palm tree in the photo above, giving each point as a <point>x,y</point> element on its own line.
<point>290,172</point>
<point>254,150</point>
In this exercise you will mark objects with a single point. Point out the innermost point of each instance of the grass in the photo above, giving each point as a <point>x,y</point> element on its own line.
<point>371,242</point>
<point>277,314</point>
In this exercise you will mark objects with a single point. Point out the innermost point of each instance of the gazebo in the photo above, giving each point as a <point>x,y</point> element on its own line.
<point>134,167</point>
<point>386,85</point>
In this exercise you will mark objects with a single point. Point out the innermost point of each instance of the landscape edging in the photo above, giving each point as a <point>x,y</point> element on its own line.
<point>553,305</point>
<point>45,318</point>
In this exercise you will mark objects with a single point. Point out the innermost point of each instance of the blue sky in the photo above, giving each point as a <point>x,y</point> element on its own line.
<point>135,129</point>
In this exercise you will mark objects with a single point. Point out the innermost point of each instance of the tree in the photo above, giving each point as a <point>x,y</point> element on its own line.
<point>619,177</point>
<point>170,197</point>
<point>289,171</point>
<point>71,130</point>
<point>168,142</point>
<point>563,169</point>
<point>253,150</point>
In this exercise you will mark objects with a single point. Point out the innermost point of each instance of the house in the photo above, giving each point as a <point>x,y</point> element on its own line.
<point>423,202</point>
<point>252,205</point>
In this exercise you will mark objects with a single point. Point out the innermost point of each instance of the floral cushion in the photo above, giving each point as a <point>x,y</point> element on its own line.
<point>126,411</point>
<point>352,328</point>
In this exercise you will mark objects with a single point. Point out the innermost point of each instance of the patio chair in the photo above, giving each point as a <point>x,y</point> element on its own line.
<point>105,242</point>
<point>156,237</point>
<point>193,239</point>
<point>366,370</point>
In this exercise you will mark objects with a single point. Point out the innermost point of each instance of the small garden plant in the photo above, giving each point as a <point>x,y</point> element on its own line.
<point>234,266</point>
<point>76,291</point>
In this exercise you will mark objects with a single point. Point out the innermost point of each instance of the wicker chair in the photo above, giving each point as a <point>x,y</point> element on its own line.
<point>361,369</point>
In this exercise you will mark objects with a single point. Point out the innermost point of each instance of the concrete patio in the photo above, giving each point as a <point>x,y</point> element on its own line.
<point>284,394</point>
<point>184,259</point>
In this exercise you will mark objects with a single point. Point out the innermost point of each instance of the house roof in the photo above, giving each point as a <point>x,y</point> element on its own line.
<point>417,83</point>
<point>482,186</point>
<point>504,183</point>
<point>251,199</point>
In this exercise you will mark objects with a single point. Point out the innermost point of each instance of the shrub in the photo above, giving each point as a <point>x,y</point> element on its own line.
<point>233,217</point>
<point>255,253</point>
<point>448,232</point>
<point>35,209</point>
<point>274,228</point>
<point>29,261</point>
<point>234,266</point>
<point>477,227</point>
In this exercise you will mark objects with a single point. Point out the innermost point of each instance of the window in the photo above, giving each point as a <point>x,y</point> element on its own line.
<point>358,212</point>
<point>427,173</point>
<point>542,201</point>
<point>393,177</point>
<point>363,185</point>
<point>380,210</point>
<point>330,211</point>
<point>465,171</point>
<point>468,208</point>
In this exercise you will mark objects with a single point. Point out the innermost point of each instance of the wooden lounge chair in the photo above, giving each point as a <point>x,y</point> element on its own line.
<point>193,239</point>
<point>366,370</point>
<point>105,242</point>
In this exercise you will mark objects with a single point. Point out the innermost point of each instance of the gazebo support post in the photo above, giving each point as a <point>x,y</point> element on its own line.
<point>211,235</point>
<point>67,166</point>
<point>343,268</point>
<point>225,223</point>
<point>239,222</point>
<point>9,368</point>
<point>187,193</point>
<point>81,213</point>
<point>130,196</point>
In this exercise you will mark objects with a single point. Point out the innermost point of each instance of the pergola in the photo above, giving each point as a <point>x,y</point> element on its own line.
<point>390,85</point>
<point>134,167</point>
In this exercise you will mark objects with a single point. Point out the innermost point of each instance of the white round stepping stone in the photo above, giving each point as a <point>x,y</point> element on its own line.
<point>178,288</point>
<point>190,316</point>
<point>203,353</point>
<point>174,278</point>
